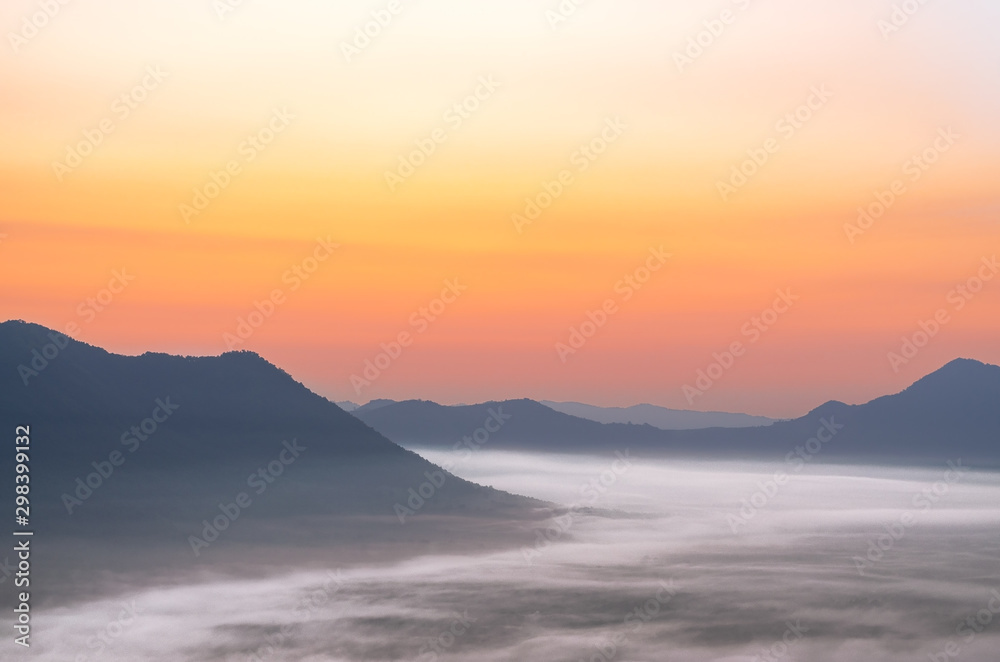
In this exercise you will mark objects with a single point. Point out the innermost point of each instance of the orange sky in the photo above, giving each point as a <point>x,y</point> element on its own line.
<point>641,144</point>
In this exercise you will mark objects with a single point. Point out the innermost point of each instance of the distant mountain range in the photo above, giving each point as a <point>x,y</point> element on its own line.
<point>188,434</point>
<point>949,414</point>
<point>659,417</point>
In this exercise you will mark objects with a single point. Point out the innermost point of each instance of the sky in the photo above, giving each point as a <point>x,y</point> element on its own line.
<point>545,203</point>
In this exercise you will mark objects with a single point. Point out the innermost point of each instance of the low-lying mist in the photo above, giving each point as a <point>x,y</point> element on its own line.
<point>649,560</point>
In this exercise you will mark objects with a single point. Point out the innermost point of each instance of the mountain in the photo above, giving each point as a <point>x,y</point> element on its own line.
<point>952,413</point>
<point>375,404</point>
<point>520,424</point>
<point>136,440</point>
<point>658,417</point>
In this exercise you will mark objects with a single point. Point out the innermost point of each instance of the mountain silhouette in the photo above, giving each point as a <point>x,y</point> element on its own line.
<point>658,417</point>
<point>190,433</point>
<point>949,414</point>
<point>531,426</point>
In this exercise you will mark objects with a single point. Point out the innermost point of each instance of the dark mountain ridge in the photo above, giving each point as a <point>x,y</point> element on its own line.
<point>953,412</point>
<point>191,432</point>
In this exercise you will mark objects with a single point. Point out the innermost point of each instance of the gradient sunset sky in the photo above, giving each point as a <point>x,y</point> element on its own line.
<point>891,95</point>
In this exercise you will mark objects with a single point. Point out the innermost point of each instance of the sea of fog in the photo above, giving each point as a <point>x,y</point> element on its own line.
<point>652,560</point>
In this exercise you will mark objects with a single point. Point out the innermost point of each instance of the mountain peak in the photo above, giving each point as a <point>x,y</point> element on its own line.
<point>964,364</point>
<point>960,375</point>
<point>245,355</point>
